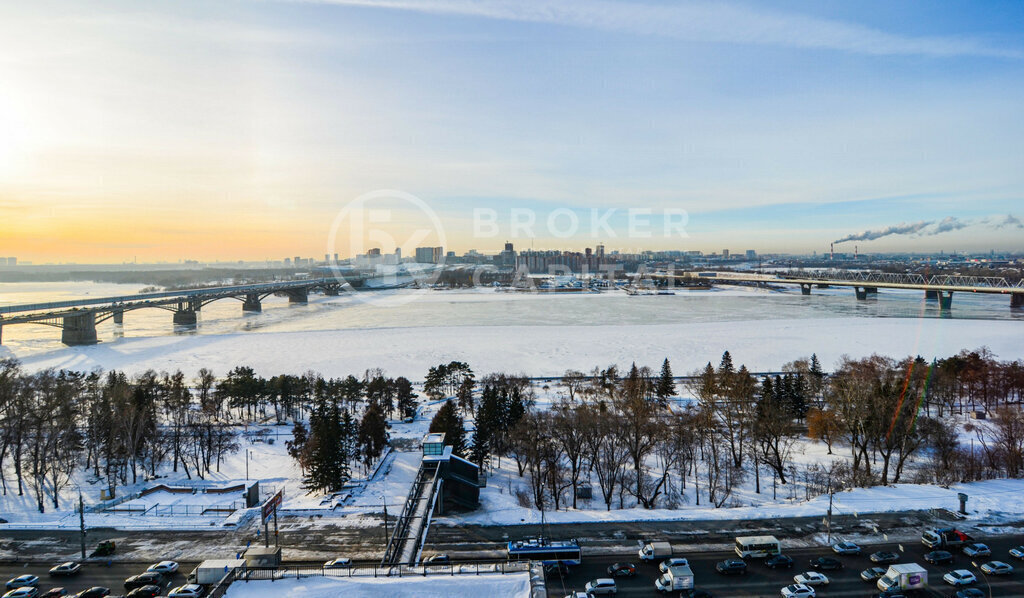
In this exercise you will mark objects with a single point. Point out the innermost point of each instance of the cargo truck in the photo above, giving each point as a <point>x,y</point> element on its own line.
<point>212,571</point>
<point>909,576</point>
<point>655,551</point>
<point>679,577</point>
<point>945,537</point>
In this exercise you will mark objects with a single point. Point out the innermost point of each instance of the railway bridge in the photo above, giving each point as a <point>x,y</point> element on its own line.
<point>865,285</point>
<point>78,318</point>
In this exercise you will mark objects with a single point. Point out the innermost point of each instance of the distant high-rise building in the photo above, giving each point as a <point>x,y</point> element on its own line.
<point>429,255</point>
<point>600,251</point>
<point>725,254</point>
<point>374,252</point>
<point>751,254</point>
<point>297,260</point>
<point>288,261</point>
<point>398,254</point>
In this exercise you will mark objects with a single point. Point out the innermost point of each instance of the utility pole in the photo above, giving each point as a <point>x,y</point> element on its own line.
<point>387,537</point>
<point>829,525</point>
<point>247,465</point>
<point>81,522</point>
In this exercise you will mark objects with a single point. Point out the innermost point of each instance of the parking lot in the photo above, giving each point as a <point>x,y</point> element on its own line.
<point>764,582</point>
<point>92,574</point>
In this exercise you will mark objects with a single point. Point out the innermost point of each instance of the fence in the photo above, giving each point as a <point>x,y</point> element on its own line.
<point>299,572</point>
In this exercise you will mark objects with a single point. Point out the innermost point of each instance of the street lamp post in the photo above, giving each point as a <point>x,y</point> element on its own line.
<point>982,571</point>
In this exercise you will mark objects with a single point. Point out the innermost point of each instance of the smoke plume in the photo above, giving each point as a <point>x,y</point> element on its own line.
<point>902,228</point>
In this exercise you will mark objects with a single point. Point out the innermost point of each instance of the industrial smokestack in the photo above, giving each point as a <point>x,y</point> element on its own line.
<point>831,251</point>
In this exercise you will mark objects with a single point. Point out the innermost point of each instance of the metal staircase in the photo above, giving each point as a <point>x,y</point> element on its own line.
<point>406,542</point>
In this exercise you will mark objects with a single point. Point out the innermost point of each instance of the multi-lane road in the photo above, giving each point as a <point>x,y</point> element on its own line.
<point>761,581</point>
<point>92,574</point>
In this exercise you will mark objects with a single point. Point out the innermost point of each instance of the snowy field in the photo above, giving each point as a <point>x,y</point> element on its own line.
<point>469,586</point>
<point>763,345</point>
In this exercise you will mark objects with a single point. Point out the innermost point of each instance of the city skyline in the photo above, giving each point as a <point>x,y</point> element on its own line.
<point>779,128</point>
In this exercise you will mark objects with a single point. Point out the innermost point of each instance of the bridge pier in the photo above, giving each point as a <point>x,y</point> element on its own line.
<point>1017,301</point>
<point>805,289</point>
<point>931,295</point>
<point>79,329</point>
<point>298,296</point>
<point>252,303</point>
<point>945,300</point>
<point>861,293</point>
<point>119,316</point>
<point>185,315</point>
<point>331,290</point>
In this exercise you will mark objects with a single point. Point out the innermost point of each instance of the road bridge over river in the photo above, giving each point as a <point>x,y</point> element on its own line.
<point>865,284</point>
<point>78,318</point>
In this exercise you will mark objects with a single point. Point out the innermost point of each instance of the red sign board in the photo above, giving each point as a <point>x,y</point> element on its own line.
<point>272,504</point>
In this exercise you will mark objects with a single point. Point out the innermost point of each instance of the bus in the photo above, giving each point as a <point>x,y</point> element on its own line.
<point>547,552</point>
<point>757,546</point>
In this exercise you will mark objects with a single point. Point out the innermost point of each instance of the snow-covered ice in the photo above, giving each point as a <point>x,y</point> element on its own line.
<point>442,586</point>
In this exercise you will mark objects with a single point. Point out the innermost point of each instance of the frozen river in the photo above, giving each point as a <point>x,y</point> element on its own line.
<point>574,330</point>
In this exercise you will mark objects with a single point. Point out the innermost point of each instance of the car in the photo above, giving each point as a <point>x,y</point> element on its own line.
<point>694,593</point>
<point>577,595</point>
<point>149,578</point>
<point>1017,552</point>
<point>997,568</point>
<point>779,561</point>
<point>622,570</point>
<point>94,592</point>
<point>439,559</point>
<point>150,591</point>
<point>970,593</point>
<point>600,587</point>
<point>872,574</point>
<point>673,562</point>
<point>189,590</point>
<point>164,567</point>
<point>845,548</point>
<point>339,563</point>
<point>65,569</point>
<point>959,577</point>
<point>939,557</point>
<point>811,578</point>
<point>798,590</point>
<point>732,567</point>
<point>977,549</point>
<point>21,581</point>
<point>826,563</point>
<point>884,557</point>
<point>54,593</point>
<point>23,592</point>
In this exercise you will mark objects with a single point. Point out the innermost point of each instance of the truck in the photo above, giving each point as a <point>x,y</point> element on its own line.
<point>944,537</point>
<point>655,551</point>
<point>213,570</point>
<point>678,577</point>
<point>909,576</point>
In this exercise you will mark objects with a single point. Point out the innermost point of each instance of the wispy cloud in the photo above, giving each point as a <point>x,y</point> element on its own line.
<point>705,22</point>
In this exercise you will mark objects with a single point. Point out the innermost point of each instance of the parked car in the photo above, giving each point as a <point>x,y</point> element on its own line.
<point>338,563</point>
<point>872,574</point>
<point>189,590</point>
<point>884,557</point>
<point>732,567</point>
<point>811,578</point>
<point>977,549</point>
<point>148,578</point>
<point>845,548</point>
<point>622,570</point>
<point>66,569</point>
<point>164,567</point>
<point>439,559</point>
<point>94,592</point>
<point>22,581</point>
<point>1017,552</point>
<point>149,591</point>
<point>798,590</point>
<point>959,577</point>
<point>673,562</point>
<point>826,563</point>
<point>23,592</point>
<point>779,561</point>
<point>970,593</point>
<point>601,587</point>
<point>997,568</point>
<point>939,557</point>
<point>54,593</point>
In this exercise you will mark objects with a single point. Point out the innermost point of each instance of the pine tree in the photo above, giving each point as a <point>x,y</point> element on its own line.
<point>373,434</point>
<point>448,421</point>
<point>666,385</point>
<point>297,445</point>
<point>465,394</point>
<point>405,398</point>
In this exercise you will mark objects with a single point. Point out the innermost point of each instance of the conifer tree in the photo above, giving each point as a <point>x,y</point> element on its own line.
<point>666,385</point>
<point>448,421</point>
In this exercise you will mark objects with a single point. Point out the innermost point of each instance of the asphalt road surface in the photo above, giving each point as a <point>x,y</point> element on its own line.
<point>92,574</point>
<point>761,581</point>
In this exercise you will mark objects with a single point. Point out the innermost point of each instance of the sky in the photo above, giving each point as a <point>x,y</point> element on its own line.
<point>248,129</point>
